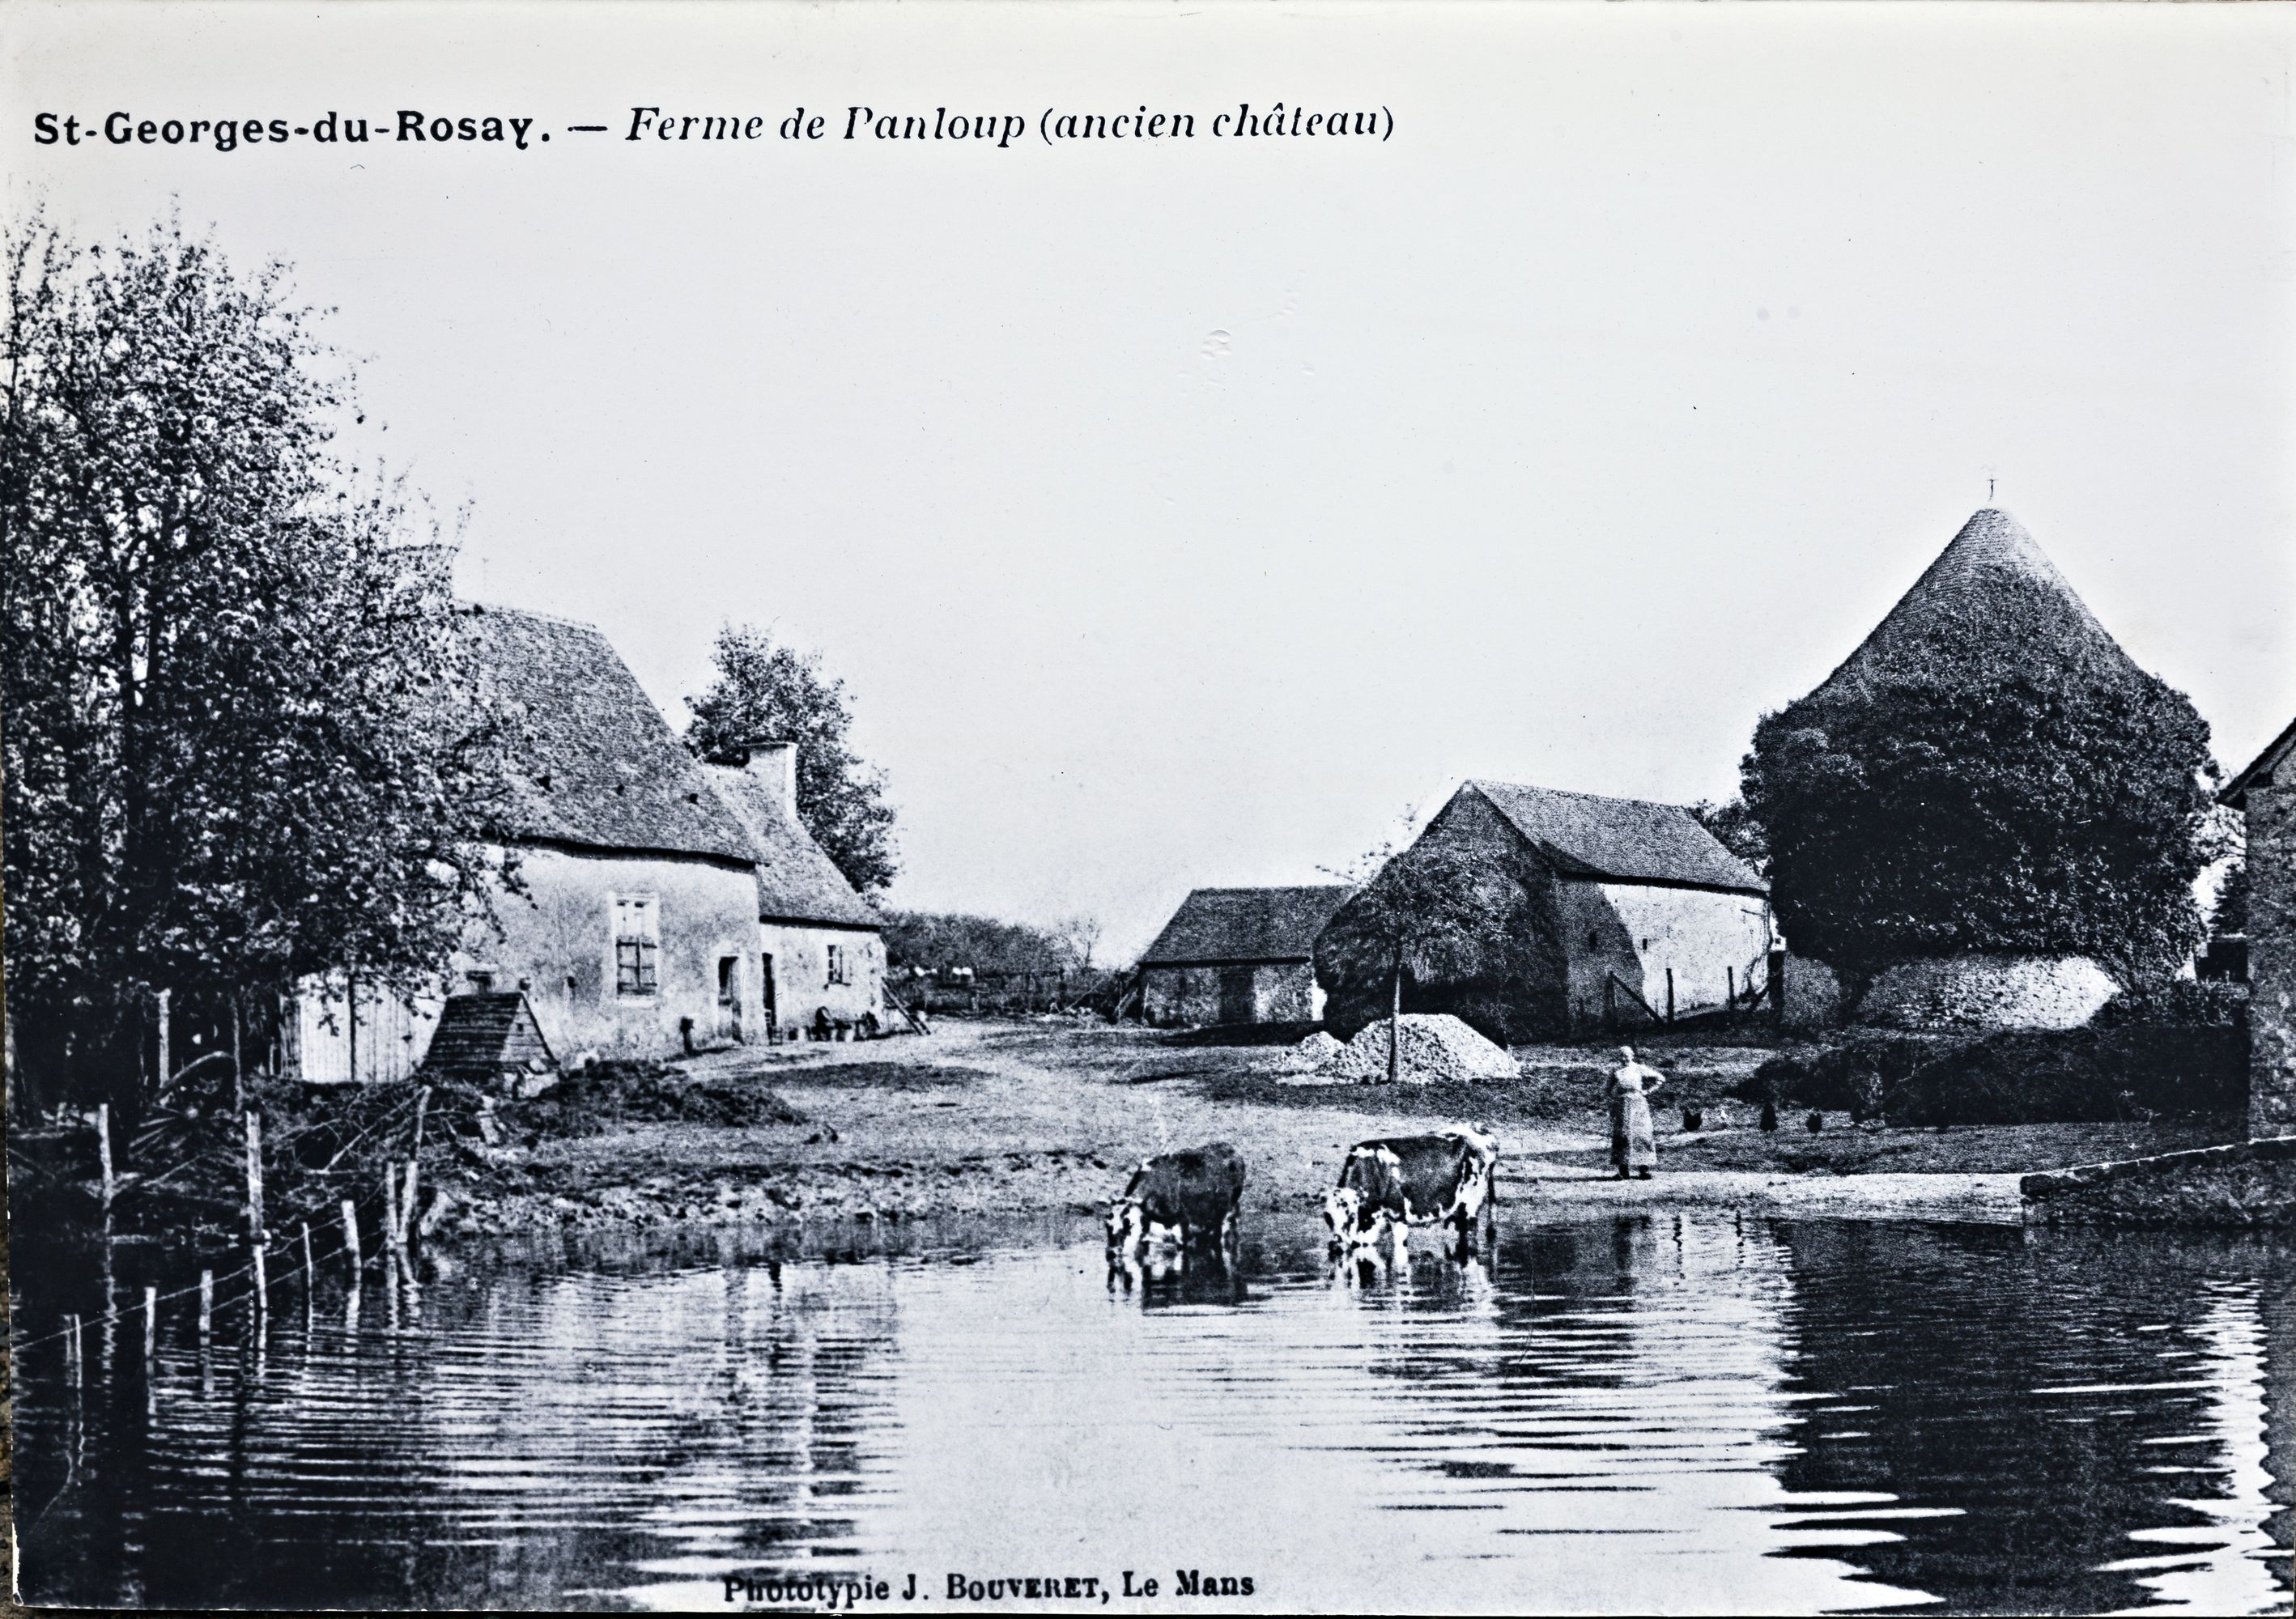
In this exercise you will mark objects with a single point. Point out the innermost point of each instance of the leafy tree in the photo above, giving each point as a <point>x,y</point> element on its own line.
<point>938,941</point>
<point>2229,914</point>
<point>1452,924</point>
<point>765,691</point>
<point>1735,828</point>
<point>242,740</point>
<point>2011,786</point>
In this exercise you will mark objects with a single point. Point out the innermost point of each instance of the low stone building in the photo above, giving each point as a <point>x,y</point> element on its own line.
<point>2266,793</point>
<point>1645,914</point>
<point>821,949</point>
<point>1238,955</point>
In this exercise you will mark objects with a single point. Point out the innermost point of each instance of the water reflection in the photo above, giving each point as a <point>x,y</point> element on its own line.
<point>1659,1412</point>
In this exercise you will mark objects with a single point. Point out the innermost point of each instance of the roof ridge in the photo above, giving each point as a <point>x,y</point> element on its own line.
<point>1569,792</point>
<point>467,604</point>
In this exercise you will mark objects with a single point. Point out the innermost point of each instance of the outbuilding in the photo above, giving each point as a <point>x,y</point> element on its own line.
<point>1238,955</point>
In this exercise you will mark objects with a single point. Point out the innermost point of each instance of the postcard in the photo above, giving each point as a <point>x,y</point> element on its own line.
<point>1144,808</point>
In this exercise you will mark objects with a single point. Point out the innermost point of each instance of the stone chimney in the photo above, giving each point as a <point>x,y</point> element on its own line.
<point>775,764</point>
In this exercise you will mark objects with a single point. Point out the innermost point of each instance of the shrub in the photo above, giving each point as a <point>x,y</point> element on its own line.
<point>2177,1004</point>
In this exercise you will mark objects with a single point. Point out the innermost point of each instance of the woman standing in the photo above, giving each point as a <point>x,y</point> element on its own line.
<point>1634,1148</point>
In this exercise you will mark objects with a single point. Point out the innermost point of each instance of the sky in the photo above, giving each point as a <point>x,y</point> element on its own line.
<point>1195,512</point>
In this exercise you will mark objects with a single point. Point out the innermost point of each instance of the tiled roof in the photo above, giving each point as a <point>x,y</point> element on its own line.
<point>598,765</point>
<point>1245,925</point>
<point>797,882</point>
<point>1622,839</point>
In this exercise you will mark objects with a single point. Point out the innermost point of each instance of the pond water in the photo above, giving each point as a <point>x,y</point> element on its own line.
<point>1650,1413</point>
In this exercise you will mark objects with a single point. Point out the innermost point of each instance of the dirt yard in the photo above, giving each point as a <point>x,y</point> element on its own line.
<point>986,1117</point>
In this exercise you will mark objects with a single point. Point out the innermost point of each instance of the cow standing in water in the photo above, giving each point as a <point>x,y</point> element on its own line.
<point>1188,1195</point>
<point>1388,1186</point>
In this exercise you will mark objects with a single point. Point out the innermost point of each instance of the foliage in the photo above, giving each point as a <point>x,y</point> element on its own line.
<point>2005,791</point>
<point>244,743</point>
<point>1466,931</point>
<point>1736,829</point>
<point>2177,1004</point>
<point>934,941</point>
<point>765,691</point>
<point>2229,914</point>
<point>2065,1076</point>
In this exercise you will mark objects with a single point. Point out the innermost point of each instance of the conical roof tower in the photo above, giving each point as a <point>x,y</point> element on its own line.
<point>1992,589</point>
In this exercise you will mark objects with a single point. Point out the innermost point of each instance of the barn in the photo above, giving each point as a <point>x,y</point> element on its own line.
<point>1238,955</point>
<point>1641,914</point>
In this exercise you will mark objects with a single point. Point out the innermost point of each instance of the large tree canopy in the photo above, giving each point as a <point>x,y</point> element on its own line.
<point>241,743</point>
<point>1440,929</point>
<point>765,691</point>
<point>2008,782</point>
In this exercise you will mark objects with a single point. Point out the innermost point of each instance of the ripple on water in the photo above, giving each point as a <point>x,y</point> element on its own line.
<point>1633,1415</point>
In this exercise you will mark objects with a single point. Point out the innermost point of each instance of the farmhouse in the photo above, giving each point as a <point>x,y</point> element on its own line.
<point>637,929</point>
<point>822,950</point>
<point>2266,792</point>
<point>1238,955</point>
<point>1642,914</point>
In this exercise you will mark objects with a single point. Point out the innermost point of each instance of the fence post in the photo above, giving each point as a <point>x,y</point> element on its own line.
<point>350,1240</point>
<point>72,1347</point>
<point>262,1284</point>
<point>308,1273</point>
<point>151,1320</point>
<point>206,1302</point>
<point>1730,978</point>
<point>407,1202</point>
<point>167,998</point>
<point>254,1177</point>
<point>103,1157</point>
<point>389,1204</point>
<point>1669,995</point>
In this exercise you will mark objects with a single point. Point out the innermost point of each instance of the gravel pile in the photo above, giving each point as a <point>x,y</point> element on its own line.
<point>1435,1046</point>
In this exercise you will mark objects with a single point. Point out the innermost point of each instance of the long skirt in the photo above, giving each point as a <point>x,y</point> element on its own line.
<point>1633,1146</point>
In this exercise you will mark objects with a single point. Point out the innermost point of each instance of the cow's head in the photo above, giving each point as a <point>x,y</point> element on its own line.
<point>1128,1223</point>
<point>1353,1227</point>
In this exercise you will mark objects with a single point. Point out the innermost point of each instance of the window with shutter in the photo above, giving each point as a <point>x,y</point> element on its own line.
<point>637,946</point>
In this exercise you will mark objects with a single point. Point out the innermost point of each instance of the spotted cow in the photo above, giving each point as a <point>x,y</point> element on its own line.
<point>1178,1197</point>
<point>1388,1186</point>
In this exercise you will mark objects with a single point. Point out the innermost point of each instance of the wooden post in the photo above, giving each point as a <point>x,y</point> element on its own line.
<point>350,1238</point>
<point>389,1204</point>
<point>407,1203</point>
<point>166,1072</point>
<point>1730,978</point>
<point>262,1285</point>
<point>72,1347</point>
<point>254,1177</point>
<point>237,1071</point>
<point>150,1319</point>
<point>1669,994</point>
<point>308,1272</point>
<point>206,1302</point>
<point>103,1157</point>
<point>421,1106</point>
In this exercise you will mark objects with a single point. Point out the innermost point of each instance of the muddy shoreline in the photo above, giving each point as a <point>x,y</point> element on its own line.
<point>1047,1118</point>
